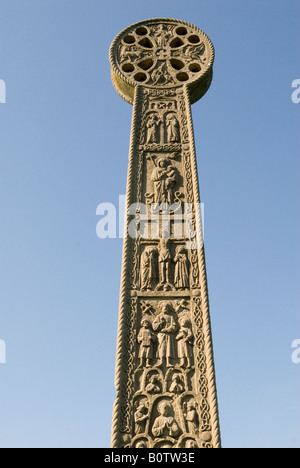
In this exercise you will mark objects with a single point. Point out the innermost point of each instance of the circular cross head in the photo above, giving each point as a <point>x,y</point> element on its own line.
<point>162,53</point>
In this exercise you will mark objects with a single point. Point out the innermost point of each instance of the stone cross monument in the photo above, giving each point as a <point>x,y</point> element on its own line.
<point>165,380</point>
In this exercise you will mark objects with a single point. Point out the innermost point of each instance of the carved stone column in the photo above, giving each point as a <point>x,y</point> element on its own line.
<point>165,381</point>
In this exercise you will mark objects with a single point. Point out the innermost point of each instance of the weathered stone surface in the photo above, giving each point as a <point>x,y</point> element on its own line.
<point>165,382</point>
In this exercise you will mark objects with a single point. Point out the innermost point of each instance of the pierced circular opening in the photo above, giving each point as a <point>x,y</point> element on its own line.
<point>142,31</point>
<point>177,42</point>
<point>146,43</point>
<point>128,68</point>
<point>181,31</point>
<point>195,67</point>
<point>177,64</point>
<point>140,77</point>
<point>194,39</point>
<point>182,76</point>
<point>129,39</point>
<point>146,64</point>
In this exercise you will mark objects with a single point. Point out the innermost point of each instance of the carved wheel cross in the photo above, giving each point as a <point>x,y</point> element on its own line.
<point>166,395</point>
<point>162,53</point>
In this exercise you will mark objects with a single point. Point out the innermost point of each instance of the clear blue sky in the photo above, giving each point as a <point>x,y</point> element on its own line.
<point>64,139</point>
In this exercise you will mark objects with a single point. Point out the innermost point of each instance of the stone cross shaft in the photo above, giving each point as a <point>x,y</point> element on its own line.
<point>165,380</point>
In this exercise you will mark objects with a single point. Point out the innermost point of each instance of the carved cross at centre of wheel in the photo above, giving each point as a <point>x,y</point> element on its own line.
<point>162,54</point>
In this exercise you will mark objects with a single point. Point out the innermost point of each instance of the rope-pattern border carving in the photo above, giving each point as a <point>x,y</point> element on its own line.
<point>125,279</point>
<point>216,438</point>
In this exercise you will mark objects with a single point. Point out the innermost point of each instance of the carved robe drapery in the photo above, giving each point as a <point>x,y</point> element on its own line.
<point>181,271</point>
<point>166,327</point>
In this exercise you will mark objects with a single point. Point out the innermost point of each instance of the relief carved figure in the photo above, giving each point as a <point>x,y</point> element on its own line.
<point>173,135</point>
<point>185,341</point>
<point>156,266</point>
<point>149,274</point>
<point>164,259</point>
<point>181,279</point>
<point>154,385</point>
<point>140,418</point>
<point>191,417</point>
<point>129,54</point>
<point>177,385</point>
<point>165,424</point>
<point>164,178</point>
<point>152,125</point>
<point>146,339</point>
<point>159,75</point>
<point>162,34</point>
<point>166,327</point>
